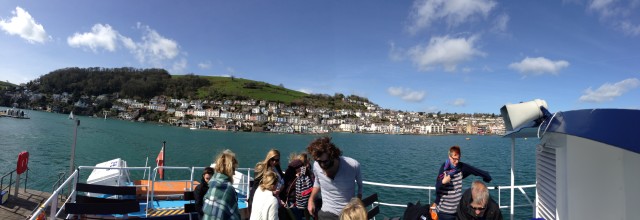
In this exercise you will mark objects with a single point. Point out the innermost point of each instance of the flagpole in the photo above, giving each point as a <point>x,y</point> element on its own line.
<point>164,159</point>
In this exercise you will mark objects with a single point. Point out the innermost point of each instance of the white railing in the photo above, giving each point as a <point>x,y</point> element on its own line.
<point>243,186</point>
<point>430,188</point>
<point>52,201</point>
<point>188,182</point>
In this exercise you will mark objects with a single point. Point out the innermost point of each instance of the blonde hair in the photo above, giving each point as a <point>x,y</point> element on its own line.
<point>268,181</point>
<point>479,193</point>
<point>302,157</point>
<point>354,210</point>
<point>226,163</point>
<point>263,166</point>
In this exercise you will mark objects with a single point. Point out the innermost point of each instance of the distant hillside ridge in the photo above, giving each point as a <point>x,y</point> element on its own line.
<point>144,84</point>
<point>6,85</point>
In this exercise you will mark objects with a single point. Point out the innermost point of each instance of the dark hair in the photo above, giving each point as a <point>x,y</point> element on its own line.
<point>323,145</point>
<point>454,149</point>
<point>208,170</point>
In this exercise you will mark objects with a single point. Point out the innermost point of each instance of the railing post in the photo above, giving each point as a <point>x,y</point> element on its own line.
<point>26,179</point>
<point>15,193</point>
<point>54,206</point>
<point>513,161</point>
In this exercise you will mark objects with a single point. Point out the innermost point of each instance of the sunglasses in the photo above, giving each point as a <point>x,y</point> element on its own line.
<point>275,159</point>
<point>322,161</point>
<point>478,208</point>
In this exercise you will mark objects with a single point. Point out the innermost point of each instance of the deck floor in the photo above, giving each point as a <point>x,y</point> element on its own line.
<point>20,207</point>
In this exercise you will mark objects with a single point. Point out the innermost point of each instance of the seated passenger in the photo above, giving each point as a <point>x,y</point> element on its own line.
<point>476,203</point>
<point>202,189</point>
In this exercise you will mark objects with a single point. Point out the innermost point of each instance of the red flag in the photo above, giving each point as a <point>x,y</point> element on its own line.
<point>160,162</point>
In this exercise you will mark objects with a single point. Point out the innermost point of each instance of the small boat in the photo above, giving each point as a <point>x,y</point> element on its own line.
<point>467,139</point>
<point>71,116</point>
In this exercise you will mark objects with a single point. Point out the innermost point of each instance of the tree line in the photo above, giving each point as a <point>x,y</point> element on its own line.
<point>144,84</point>
<point>127,81</point>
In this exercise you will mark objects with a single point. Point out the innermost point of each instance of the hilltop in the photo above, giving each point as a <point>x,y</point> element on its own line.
<point>144,84</point>
<point>5,85</point>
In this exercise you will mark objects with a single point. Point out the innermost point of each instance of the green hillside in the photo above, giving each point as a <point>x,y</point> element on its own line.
<point>144,84</point>
<point>4,85</point>
<point>244,88</point>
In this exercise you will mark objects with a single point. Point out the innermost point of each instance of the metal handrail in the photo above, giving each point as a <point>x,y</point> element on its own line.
<point>155,173</point>
<point>52,201</point>
<point>430,188</point>
<point>10,174</point>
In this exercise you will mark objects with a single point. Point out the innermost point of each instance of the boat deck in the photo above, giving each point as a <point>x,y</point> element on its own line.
<point>20,207</point>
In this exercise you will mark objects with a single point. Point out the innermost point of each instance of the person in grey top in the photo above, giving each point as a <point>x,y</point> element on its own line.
<point>336,178</point>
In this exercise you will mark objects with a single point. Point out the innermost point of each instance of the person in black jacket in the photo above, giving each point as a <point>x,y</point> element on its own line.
<point>476,203</point>
<point>449,183</point>
<point>202,189</point>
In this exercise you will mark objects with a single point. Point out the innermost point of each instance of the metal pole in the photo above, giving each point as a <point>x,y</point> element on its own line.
<point>164,159</point>
<point>73,152</point>
<point>73,147</point>
<point>17,188</point>
<point>513,156</point>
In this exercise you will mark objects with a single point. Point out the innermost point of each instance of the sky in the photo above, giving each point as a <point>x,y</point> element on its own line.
<point>456,56</point>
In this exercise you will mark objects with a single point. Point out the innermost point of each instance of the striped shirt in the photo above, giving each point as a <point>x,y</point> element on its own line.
<point>451,195</point>
<point>221,201</point>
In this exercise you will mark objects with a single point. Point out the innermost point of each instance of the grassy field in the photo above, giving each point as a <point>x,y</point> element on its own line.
<point>249,88</point>
<point>4,85</point>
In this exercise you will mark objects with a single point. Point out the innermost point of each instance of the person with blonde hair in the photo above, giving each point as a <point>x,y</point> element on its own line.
<point>271,163</point>
<point>265,204</point>
<point>221,200</point>
<point>354,210</point>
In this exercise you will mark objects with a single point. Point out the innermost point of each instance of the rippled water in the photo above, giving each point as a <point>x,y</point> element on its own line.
<point>393,159</point>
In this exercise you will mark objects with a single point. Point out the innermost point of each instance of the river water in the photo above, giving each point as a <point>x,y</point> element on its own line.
<point>391,159</point>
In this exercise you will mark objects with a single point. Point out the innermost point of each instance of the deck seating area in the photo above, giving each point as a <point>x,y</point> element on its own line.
<point>124,202</point>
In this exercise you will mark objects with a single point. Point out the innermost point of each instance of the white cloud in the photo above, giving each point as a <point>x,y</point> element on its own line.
<point>604,7</point>
<point>25,26</point>
<point>501,23</point>
<point>101,36</point>
<point>629,28</point>
<point>445,51</point>
<point>205,65</point>
<point>539,66</point>
<point>618,14</point>
<point>406,94</point>
<point>155,48</point>
<point>455,12</point>
<point>459,102</point>
<point>608,92</point>
<point>179,66</point>
<point>128,43</point>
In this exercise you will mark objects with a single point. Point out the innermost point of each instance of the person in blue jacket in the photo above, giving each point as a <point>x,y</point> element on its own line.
<point>449,183</point>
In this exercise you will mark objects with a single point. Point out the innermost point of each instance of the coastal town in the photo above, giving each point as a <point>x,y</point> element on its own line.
<point>262,116</point>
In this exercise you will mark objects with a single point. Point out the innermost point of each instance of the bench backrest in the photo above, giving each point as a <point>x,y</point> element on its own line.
<point>370,201</point>
<point>104,206</point>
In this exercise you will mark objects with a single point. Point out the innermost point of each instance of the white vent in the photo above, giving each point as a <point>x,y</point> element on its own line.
<point>546,182</point>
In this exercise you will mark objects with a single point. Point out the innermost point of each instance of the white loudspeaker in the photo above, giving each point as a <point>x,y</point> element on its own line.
<point>515,115</point>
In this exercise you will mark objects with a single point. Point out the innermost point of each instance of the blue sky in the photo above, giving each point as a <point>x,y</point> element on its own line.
<point>465,56</point>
